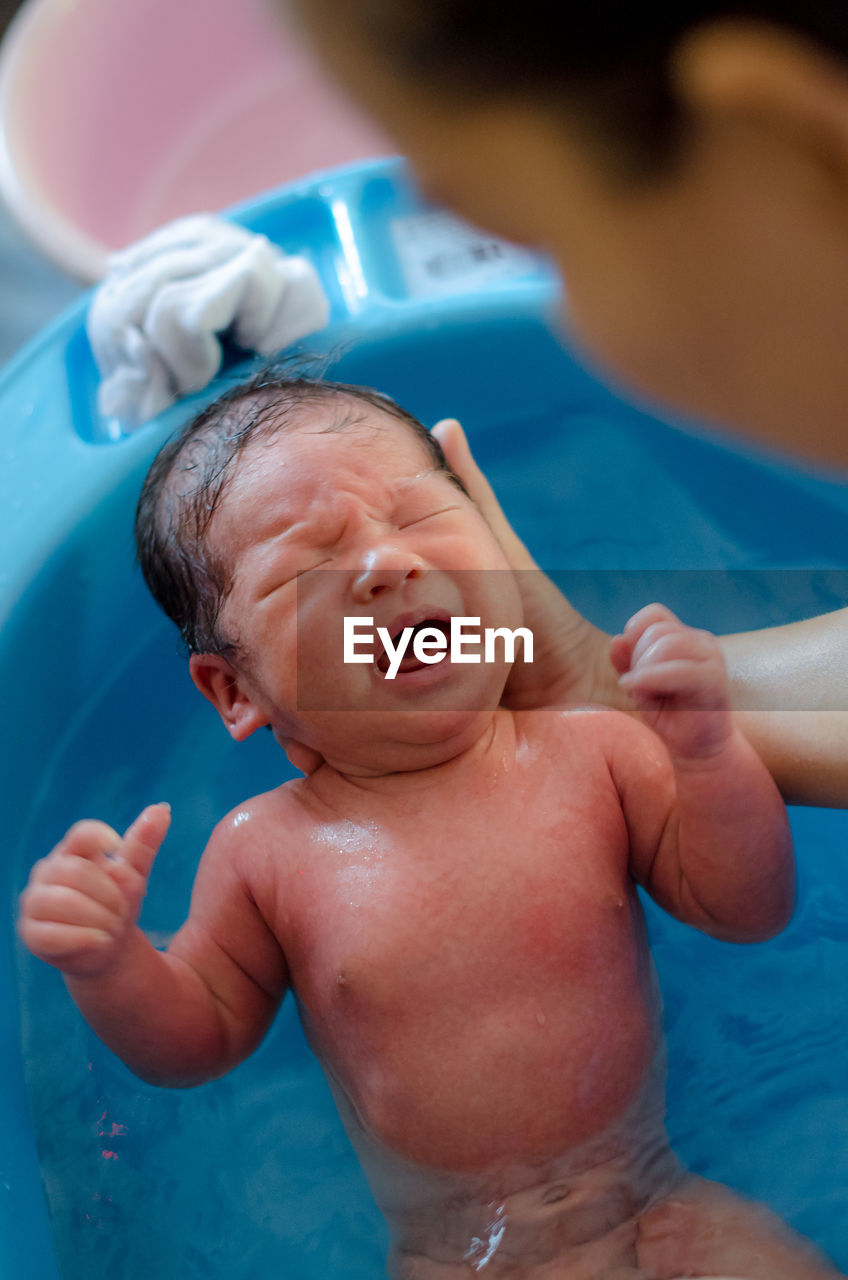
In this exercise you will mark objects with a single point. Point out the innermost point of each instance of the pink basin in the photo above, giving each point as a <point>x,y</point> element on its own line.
<point>118,115</point>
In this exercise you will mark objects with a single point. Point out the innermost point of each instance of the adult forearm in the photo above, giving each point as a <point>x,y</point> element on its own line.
<point>789,696</point>
<point>789,690</point>
<point>157,1014</point>
<point>806,753</point>
<point>802,666</point>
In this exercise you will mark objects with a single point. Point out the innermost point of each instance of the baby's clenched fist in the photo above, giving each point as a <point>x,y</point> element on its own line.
<point>677,679</point>
<point>83,899</point>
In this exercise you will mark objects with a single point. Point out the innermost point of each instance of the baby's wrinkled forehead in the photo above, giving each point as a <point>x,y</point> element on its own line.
<point>221,473</point>
<point>217,453</point>
<point>340,438</point>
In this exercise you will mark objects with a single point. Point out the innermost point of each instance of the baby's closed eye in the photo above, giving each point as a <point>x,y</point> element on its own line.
<point>289,576</point>
<point>323,563</point>
<point>408,520</point>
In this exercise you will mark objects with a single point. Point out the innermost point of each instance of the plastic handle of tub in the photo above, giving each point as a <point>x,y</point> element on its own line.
<point>387,262</point>
<point>388,257</point>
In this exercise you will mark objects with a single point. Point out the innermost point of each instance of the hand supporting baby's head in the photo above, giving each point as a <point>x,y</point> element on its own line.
<point>293,507</point>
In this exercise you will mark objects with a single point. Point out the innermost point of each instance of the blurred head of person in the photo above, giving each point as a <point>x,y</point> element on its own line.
<point>686,165</point>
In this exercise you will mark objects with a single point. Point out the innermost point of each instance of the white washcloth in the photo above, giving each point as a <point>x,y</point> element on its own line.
<point>154,322</point>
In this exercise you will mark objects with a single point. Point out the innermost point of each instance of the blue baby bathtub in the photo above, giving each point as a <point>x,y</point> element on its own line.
<point>252,1177</point>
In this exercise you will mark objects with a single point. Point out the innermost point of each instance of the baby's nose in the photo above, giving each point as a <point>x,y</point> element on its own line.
<point>384,569</point>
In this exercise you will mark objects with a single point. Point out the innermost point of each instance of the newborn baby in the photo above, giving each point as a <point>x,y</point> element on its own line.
<point>450,890</point>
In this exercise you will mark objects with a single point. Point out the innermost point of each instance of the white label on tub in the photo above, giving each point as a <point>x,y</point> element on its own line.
<point>440,254</point>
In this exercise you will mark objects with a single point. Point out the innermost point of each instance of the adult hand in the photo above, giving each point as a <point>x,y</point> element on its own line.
<point>787,684</point>
<point>571,662</point>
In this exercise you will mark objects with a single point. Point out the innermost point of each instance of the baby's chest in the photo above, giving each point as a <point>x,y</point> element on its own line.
<point>456,904</point>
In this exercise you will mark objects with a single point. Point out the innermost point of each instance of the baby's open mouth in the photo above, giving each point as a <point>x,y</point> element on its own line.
<point>410,662</point>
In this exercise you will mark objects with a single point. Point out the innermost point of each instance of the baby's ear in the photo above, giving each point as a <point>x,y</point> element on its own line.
<point>222,685</point>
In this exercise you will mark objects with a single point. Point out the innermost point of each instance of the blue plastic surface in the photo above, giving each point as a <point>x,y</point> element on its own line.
<point>99,718</point>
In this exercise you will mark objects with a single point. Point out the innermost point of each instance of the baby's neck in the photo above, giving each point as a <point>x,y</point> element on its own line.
<point>441,763</point>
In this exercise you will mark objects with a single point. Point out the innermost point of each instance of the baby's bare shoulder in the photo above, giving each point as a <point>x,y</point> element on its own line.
<point>612,739</point>
<point>589,721</point>
<point>259,831</point>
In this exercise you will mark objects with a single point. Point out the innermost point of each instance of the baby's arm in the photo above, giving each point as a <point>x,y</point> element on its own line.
<point>709,834</point>
<point>177,1017</point>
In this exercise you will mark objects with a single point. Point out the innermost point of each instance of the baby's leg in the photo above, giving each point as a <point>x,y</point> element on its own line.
<point>704,1229</point>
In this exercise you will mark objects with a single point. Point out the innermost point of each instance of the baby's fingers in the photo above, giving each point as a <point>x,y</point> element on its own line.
<point>648,617</point>
<point>63,904</point>
<point>688,684</point>
<point>651,622</point>
<point>54,942</point>
<point>130,865</point>
<point>83,874</point>
<point>89,839</point>
<point>142,838</point>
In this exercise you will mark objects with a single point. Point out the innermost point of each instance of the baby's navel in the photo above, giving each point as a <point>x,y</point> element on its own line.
<point>556,1193</point>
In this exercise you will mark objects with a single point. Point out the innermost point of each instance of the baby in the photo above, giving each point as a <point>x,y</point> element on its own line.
<point>450,890</point>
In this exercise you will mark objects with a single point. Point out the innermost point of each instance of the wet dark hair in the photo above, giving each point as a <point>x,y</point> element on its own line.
<point>189,477</point>
<point>605,65</point>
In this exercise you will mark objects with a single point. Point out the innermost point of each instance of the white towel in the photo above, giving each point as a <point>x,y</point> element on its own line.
<point>154,322</point>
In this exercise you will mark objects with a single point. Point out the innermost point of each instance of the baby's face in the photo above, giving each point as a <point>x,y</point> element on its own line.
<point>319,526</point>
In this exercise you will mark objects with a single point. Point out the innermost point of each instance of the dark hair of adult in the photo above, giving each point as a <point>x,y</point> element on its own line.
<point>604,64</point>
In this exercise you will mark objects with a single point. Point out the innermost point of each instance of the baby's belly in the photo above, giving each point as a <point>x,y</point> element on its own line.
<point>579,1206</point>
<point>478,1011</point>
<point>478,1099</point>
<point>463,1082</point>
<point>464,1040</point>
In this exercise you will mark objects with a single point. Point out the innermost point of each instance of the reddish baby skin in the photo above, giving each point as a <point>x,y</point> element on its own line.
<point>480,923</point>
<point>450,890</point>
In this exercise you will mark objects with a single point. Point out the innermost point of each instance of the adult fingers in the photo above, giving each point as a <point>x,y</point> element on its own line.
<point>457,451</point>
